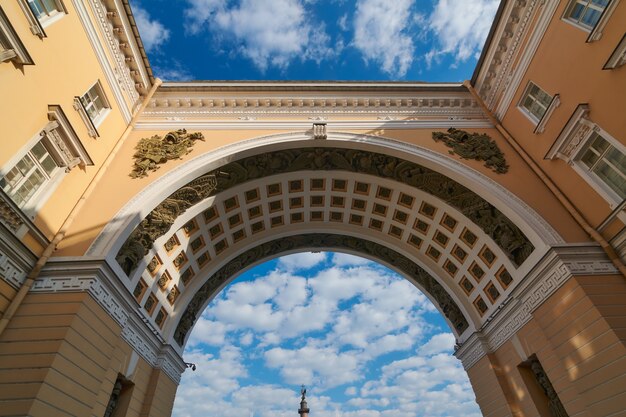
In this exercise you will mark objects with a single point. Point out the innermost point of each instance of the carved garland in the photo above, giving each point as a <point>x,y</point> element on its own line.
<point>493,222</point>
<point>478,146</point>
<point>322,241</point>
<point>156,150</point>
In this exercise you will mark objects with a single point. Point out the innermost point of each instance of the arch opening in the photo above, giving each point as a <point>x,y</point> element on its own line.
<point>346,327</point>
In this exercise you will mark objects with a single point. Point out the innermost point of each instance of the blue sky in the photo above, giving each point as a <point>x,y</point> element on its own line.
<point>411,40</point>
<point>365,341</point>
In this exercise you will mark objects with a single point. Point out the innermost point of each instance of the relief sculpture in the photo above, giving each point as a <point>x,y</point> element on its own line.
<point>493,222</point>
<point>478,146</point>
<point>156,150</point>
<point>322,241</point>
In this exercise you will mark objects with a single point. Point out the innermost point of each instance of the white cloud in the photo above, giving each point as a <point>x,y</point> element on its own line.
<point>326,367</point>
<point>343,22</point>
<point>268,32</point>
<point>439,343</point>
<point>381,34</point>
<point>332,328</point>
<point>460,27</point>
<point>153,33</point>
<point>301,261</point>
<point>344,259</point>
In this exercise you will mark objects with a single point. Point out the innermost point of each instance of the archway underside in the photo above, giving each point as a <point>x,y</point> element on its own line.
<point>439,226</point>
<point>492,221</point>
<point>322,241</point>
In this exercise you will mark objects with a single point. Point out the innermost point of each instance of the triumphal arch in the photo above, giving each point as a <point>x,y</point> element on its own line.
<point>128,203</point>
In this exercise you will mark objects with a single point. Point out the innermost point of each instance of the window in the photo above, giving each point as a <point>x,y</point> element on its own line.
<point>605,163</point>
<point>92,107</point>
<point>535,102</point>
<point>34,170</point>
<point>43,9</point>
<point>11,48</point>
<point>56,150</point>
<point>594,154</point>
<point>40,13</point>
<point>585,13</point>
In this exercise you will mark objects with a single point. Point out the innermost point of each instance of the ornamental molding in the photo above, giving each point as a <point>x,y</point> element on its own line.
<point>502,71</point>
<point>259,123</point>
<point>515,244</point>
<point>108,242</point>
<point>110,70</point>
<point>17,222</point>
<point>573,136</point>
<point>382,108</point>
<point>96,277</point>
<point>16,260</point>
<point>114,48</point>
<point>555,269</point>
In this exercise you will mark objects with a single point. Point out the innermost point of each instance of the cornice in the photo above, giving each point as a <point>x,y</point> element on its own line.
<point>296,109</point>
<point>95,277</point>
<point>509,53</point>
<point>555,269</point>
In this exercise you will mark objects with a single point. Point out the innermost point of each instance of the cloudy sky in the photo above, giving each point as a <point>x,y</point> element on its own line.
<point>364,341</point>
<point>426,40</point>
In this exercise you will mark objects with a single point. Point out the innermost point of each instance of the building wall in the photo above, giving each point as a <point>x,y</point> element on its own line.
<point>577,335</point>
<point>61,355</point>
<point>65,66</point>
<point>566,64</point>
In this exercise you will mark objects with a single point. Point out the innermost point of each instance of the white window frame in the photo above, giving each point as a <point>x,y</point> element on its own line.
<point>618,57</point>
<point>572,143</point>
<point>595,32</point>
<point>38,24</point>
<point>539,123</point>
<point>61,143</point>
<point>83,103</point>
<point>11,47</point>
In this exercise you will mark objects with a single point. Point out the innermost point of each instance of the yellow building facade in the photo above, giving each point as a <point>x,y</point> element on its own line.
<point>128,203</point>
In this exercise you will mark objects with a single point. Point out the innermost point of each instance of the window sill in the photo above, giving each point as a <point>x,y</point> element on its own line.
<point>541,125</point>
<point>47,21</point>
<point>596,33</point>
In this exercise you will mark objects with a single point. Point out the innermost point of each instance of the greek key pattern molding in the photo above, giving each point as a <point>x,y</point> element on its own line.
<point>118,309</point>
<point>544,280</point>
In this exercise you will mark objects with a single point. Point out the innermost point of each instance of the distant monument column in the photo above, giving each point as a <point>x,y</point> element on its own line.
<point>304,408</point>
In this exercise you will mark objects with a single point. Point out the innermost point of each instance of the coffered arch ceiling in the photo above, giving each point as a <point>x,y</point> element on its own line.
<point>453,243</point>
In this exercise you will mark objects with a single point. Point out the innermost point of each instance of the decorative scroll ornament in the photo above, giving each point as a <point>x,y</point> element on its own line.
<point>478,146</point>
<point>492,221</point>
<point>156,150</point>
<point>322,241</point>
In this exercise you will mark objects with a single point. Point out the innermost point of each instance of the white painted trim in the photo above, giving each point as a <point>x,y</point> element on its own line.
<point>108,69</point>
<point>598,29</point>
<point>541,126</point>
<point>514,79</point>
<point>618,57</point>
<point>303,125</point>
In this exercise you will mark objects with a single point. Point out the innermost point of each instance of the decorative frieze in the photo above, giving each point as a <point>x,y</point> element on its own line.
<point>557,267</point>
<point>99,281</point>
